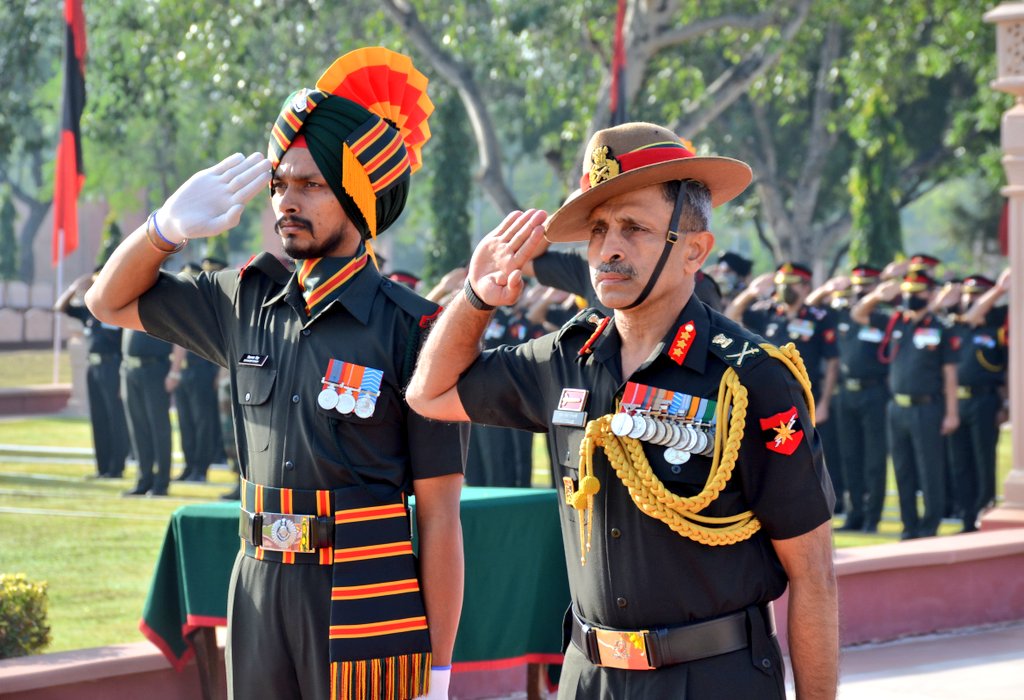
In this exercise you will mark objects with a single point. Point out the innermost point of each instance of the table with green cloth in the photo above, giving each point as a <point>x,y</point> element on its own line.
<point>516,586</point>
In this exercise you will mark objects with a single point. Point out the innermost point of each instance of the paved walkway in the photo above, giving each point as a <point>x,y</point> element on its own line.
<point>984,664</point>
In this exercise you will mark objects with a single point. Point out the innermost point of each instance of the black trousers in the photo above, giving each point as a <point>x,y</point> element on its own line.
<point>106,413</point>
<point>278,629</point>
<point>861,430</point>
<point>919,460</point>
<point>147,406</point>
<point>198,417</point>
<point>972,454</point>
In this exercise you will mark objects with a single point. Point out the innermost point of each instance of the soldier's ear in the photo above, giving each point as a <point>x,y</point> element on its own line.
<point>697,247</point>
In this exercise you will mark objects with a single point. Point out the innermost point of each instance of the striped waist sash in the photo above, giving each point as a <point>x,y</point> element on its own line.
<point>379,641</point>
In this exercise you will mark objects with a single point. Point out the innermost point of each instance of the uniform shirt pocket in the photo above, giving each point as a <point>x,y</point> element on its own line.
<point>255,385</point>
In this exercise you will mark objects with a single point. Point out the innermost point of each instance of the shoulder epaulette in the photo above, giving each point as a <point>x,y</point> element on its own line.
<point>733,344</point>
<point>585,321</point>
<point>269,265</point>
<point>423,310</point>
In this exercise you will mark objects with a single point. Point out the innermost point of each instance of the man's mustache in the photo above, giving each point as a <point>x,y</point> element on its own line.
<point>617,268</point>
<point>293,220</point>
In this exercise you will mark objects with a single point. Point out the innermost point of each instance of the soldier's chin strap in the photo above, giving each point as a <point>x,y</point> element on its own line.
<point>670,238</point>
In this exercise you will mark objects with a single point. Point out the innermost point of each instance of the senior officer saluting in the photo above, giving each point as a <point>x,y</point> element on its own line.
<point>325,599</point>
<point>696,489</point>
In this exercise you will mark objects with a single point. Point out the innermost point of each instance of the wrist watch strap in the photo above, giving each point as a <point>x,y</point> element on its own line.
<point>475,301</point>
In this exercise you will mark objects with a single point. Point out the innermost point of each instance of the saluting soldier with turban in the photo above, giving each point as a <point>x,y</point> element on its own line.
<point>326,599</point>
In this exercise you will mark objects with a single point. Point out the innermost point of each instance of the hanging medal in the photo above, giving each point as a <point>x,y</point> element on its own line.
<point>346,401</point>
<point>369,390</point>
<point>327,399</point>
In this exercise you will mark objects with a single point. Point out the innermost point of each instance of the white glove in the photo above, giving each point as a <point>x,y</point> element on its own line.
<point>439,678</point>
<point>211,201</point>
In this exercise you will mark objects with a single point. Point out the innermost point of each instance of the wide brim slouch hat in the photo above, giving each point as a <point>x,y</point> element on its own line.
<point>365,124</point>
<point>635,155</point>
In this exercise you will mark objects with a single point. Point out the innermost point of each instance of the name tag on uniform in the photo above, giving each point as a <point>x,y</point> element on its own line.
<point>870,334</point>
<point>253,360</point>
<point>985,341</point>
<point>926,338</point>
<point>570,411</point>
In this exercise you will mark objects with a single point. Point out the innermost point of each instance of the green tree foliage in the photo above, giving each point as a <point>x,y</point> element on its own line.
<point>450,191</point>
<point>8,241</point>
<point>810,93</point>
<point>30,58</point>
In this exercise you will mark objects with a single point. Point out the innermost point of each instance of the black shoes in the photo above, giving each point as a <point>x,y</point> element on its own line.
<point>139,490</point>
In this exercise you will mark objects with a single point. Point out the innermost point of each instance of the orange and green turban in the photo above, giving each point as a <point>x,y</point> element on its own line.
<point>364,124</point>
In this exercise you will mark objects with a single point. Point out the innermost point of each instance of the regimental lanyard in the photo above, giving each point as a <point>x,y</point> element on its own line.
<point>681,423</point>
<point>348,387</point>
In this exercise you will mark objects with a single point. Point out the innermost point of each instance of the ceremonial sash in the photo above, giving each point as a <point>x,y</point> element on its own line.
<point>379,639</point>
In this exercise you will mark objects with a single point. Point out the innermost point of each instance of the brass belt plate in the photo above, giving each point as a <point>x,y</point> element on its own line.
<point>621,649</point>
<point>283,532</point>
<point>903,400</point>
<point>963,392</point>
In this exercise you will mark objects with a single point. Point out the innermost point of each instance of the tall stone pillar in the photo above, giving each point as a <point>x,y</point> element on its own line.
<point>1009,20</point>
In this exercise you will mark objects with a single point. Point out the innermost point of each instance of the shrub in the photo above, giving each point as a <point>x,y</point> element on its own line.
<point>23,628</point>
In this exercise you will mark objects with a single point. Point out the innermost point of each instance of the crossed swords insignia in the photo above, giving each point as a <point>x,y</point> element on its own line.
<point>748,349</point>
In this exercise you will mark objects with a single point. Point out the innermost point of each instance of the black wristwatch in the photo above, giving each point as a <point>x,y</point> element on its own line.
<point>475,301</point>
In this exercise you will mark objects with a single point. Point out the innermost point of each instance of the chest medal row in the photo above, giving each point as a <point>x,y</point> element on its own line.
<point>350,388</point>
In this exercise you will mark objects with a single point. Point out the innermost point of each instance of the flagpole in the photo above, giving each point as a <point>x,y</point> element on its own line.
<point>57,314</point>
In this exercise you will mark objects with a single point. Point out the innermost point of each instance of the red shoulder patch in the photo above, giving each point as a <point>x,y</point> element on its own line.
<point>425,321</point>
<point>782,432</point>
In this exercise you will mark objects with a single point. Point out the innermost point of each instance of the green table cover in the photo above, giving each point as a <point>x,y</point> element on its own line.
<point>516,587</point>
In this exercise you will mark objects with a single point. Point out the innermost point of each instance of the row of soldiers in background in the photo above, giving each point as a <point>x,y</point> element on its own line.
<point>130,380</point>
<point>894,352</point>
<point>900,365</point>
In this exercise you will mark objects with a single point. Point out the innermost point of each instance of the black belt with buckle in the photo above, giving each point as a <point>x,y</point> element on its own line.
<point>906,400</point>
<point>286,532</point>
<point>857,384</point>
<point>644,650</point>
<point>969,392</point>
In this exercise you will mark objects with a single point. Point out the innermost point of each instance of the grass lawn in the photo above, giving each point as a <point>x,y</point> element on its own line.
<point>28,367</point>
<point>96,550</point>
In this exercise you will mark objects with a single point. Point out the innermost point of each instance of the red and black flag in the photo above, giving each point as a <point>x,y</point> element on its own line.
<point>618,90</point>
<point>70,173</point>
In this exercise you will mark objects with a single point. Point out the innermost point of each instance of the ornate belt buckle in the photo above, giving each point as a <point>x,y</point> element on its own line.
<point>621,649</point>
<point>284,532</point>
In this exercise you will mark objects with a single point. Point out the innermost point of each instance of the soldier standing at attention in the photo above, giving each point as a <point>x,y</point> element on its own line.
<point>860,414</point>
<point>694,488</point>
<point>981,390</point>
<point>922,353</point>
<point>103,381</point>
<point>786,317</point>
<point>145,364</point>
<point>326,598</point>
<point>193,379</point>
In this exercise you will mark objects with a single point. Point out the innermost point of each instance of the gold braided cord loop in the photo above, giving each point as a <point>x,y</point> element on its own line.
<point>681,514</point>
<point>790,357</point>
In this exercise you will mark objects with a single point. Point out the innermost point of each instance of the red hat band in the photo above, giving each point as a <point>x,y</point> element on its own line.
<point>605,165</point>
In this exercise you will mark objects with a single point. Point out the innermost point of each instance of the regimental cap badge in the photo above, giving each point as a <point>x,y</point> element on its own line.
<point>721,341</point>
<point>299,101</point>
<point>603,166</point>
